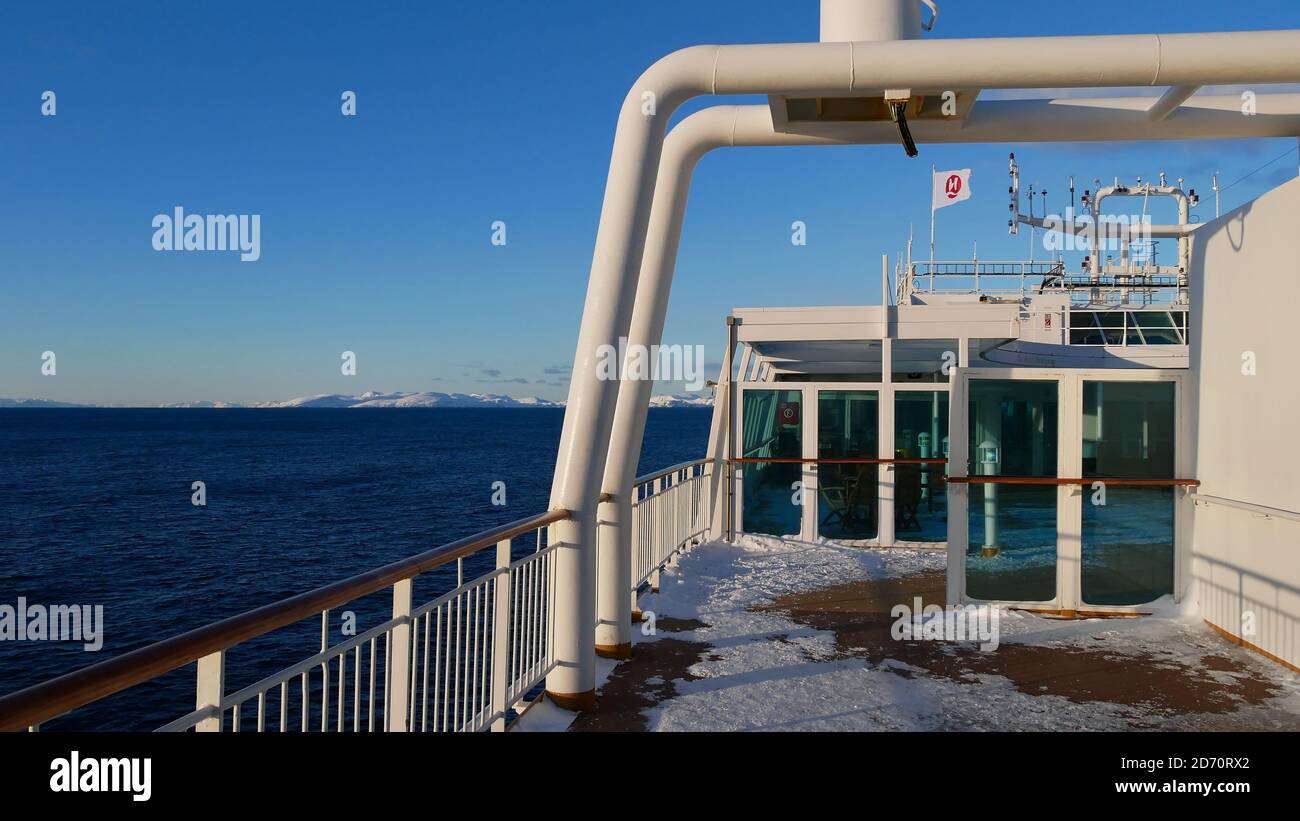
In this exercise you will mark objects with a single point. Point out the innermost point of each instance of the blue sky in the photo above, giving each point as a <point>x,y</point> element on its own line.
<point>375,228</point>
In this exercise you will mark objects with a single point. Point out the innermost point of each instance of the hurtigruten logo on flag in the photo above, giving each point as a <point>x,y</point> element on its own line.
<point>951,187</point>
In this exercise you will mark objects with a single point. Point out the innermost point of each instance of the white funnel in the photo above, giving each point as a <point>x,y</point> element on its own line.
<point>861,20</point>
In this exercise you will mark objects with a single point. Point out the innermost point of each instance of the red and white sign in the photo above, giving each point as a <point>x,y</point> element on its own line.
<point>788,413</point>
<point>951,187</point>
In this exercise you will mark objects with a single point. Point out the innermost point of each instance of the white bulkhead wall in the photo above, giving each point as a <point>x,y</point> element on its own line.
<point>1243,567</point>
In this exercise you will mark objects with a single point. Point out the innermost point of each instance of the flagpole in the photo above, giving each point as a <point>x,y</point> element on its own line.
<point>932,172</point>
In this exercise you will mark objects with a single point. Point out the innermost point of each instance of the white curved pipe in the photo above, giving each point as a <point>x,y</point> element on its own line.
<point>812,68</point>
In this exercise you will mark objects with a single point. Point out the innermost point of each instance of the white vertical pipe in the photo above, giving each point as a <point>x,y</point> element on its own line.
<point>589,412</point>
<point>844,21</point>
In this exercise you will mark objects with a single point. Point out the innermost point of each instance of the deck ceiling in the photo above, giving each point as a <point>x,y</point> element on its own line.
<point>854,355</point>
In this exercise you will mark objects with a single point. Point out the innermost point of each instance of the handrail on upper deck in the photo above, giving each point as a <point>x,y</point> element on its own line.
<point>1083,480</point>
<point>48,699</point>
<point>40,702</point>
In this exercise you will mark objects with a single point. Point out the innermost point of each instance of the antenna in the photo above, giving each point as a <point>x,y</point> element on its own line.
<point>1031,224</point>
<point>1013,190</point>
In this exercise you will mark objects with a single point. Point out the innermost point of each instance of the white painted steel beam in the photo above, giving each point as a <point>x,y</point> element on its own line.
<point>1169,103</point>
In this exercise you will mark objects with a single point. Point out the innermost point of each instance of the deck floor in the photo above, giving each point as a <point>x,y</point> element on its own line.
<point>780,635</point>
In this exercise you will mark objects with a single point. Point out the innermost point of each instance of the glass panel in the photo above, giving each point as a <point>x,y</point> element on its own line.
<point>848,424</point>
<point>1157,327</point>
<point>1134,335</point>
<point>773,429</point>
<point>921,491</point>
<point>1086,336</point>
<point>1128,532</point>
<point>1012,550</point>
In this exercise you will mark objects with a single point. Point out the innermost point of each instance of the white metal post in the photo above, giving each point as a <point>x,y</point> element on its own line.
<point>887,474</point>
<point>1069,498</point>
<point>210,690</point>
<point>399,661</point>
<point>809,472</point>
<point>958,492</point>
<point>501,637</point>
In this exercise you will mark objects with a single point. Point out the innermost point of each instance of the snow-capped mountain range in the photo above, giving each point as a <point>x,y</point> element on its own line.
<point>376,399</point>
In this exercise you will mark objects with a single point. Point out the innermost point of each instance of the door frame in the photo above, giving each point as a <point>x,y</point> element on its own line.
<point>738,474</point>
<point>884,488</point>
<point>1182,467</point>
<point>1069,498</point>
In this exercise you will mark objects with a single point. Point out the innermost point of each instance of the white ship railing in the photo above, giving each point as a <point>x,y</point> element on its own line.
<point>670,512</point>
<point>460,662</point>
<point>993,277</point>
<point>1023,279</point>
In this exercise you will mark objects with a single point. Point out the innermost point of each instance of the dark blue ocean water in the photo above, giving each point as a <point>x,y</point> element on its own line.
<point>95,508</point>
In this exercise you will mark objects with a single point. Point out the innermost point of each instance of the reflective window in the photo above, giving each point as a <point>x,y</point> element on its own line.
<point>1128,532</point>
<point>1013,432</point>
<point>1131,327</point>
<point>920,491</point>
<point>772,426</point>
<point>848,425</point>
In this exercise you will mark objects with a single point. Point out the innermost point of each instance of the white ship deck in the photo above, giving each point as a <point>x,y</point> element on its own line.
<point>773,634</point>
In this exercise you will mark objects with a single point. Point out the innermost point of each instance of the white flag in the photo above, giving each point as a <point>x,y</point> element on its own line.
<point>950,188</point>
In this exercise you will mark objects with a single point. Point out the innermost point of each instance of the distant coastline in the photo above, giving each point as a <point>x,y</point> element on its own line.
<point>375,399</point>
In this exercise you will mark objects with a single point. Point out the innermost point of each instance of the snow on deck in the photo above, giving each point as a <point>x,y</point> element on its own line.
<point>771,634</point>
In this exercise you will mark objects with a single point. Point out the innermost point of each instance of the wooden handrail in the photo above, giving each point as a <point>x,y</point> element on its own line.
<point>1052,480</point>
<point>795,460</point>
<point>57,696</point>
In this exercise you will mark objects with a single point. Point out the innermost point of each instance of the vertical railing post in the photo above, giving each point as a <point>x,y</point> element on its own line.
<point>656,527</point>
<point>399,660</point>
<point>210,690</point>
<point>501,637</point>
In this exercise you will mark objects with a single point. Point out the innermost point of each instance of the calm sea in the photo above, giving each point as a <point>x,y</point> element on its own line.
<point>95,508</point>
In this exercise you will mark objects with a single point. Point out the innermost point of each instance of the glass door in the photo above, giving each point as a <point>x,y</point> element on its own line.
<point>1011,539</point>
<point>771,445</point>
<point>920,476</point>
<point>1080,514</point>
<point>1127,530</point>
<point>848,428</point>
